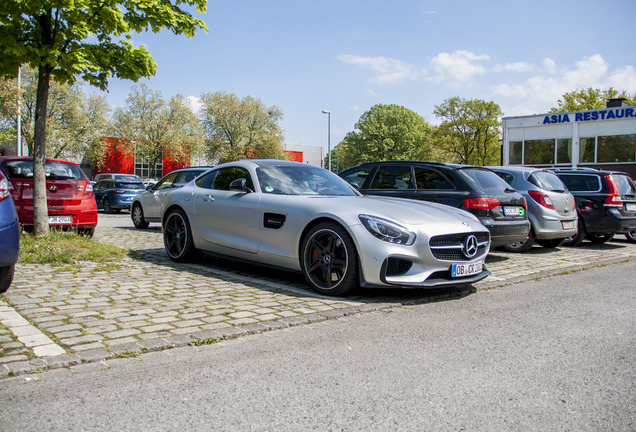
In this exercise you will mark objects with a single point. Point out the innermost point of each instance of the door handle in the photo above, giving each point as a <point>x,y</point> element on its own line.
<point>208,198</point>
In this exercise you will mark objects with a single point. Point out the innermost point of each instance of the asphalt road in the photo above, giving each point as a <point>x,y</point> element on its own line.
<point>551,355</point>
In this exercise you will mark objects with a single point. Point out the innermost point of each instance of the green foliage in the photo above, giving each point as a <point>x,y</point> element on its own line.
<point>236,128</point>
<point>154,128</point>
<point>589,99</point>
<point>385,132</point>
<point>469,132</point>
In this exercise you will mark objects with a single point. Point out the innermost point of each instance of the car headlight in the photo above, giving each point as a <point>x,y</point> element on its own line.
<point>387,230</point>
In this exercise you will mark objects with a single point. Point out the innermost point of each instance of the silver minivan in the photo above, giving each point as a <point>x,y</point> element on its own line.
<point>551,207</point>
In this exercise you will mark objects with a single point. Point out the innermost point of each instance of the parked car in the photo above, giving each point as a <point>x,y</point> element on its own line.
<point>146,207</point>
<point>551,207</point>
<point>116,195</point>
<point>9,235</point>
<point>304,218</point>
<point>605,203</point>
<point>478,190</point>
<point>70,199</point>
<point>117,176</point>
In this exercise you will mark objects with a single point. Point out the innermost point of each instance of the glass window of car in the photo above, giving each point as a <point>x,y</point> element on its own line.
<point>223,177</point>
<point>624,185</point>
<point>130,185</point>
<point>426,178</point>
<point>507,177</point>
<point>186,176</point>
<point>582,182</point>
<point>166,182</point>
<point>392,177</point>
<point>358,177</point>
<point>547,181</point>
<point>485,179</point>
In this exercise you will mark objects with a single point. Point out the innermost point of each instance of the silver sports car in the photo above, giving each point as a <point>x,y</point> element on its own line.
<point>304,218</point>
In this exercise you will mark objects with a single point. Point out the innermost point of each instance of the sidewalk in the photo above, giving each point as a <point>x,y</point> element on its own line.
<point>59,317</point>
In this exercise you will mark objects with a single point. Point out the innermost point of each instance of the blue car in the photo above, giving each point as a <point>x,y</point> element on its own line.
<point>116,195</point>
<point>9,235</point>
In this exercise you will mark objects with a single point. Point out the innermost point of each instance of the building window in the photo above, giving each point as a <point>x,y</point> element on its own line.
<point>586,150</point>
<point>617,148</point>
<point>142,168</point>
<point>564,150</point>
<point>516,152</point>
<point>538,152</point>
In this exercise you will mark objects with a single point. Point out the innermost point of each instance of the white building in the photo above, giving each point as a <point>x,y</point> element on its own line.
<point>601,138</point>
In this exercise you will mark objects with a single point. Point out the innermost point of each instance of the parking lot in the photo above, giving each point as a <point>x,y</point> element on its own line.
<point>91,314</point>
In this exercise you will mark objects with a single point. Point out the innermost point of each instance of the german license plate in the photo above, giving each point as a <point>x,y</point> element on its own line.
<point>513,211</point>
<point>460,270</point>
<point>630,207</point>
<point>59,220</point>
<point>568,225</point>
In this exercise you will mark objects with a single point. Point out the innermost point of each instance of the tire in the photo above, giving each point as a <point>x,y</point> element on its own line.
<point>86,232</point>
<point>600,238</point>
<point>137,215</point>
<point>329,259</point>
<point>580,235</point>
<point>523,246</point>
<point>631,236</point>
<point>6,277</point>
<point>106,205</point>
<point>177,236</point>
<point>551,244</point>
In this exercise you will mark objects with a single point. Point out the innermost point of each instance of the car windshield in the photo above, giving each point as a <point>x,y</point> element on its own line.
<point>301,180</point>
<point>624,184</point>
<point>53,170</point>
<point>547,181</point>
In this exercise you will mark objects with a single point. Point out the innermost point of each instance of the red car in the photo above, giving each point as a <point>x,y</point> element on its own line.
<point>71,203</point>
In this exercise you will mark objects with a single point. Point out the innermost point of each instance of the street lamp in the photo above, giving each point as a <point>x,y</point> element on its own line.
<point>328,136</point>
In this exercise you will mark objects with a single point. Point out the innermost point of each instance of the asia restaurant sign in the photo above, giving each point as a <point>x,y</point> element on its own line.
<point>594,115</point>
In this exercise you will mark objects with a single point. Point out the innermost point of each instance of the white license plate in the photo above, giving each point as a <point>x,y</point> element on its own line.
<point>59,220</point>
<point>568,225</point>
<point>513,211</point>
<point>630,207</point>
<point>460,270</point>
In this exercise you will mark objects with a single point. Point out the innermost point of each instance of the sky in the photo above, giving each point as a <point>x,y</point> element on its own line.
<point>346,56</point>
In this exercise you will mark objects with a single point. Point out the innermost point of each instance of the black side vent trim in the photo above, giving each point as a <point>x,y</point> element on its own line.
<point>274,220</point>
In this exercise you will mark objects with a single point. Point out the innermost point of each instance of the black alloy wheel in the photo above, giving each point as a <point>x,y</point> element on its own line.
<point>137,215</point>
<point>106,205</point>
<point>329,259</point>
<point>177,236</point>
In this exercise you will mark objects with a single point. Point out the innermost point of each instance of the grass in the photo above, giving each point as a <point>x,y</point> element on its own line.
<point>64,248</point>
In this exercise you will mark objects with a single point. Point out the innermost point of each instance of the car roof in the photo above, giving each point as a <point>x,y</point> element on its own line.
<point>29,158</point>
<point>521,169</point>
<point>585,170</point>
<point>429,163</point>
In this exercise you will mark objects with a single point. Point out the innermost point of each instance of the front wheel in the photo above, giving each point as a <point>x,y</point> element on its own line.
<point>631,236</point>
<point>137,215</point>
<point>329,259</point>
<point>177,236</point>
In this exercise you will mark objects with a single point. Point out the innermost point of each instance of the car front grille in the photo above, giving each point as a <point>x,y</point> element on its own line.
<point>450,247</point>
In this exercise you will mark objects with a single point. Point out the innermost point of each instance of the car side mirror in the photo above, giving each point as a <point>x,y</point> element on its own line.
<point>240,185</point>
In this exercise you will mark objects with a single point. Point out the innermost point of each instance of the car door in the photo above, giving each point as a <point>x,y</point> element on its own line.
<point>152,203</point>
<point>228,220</point>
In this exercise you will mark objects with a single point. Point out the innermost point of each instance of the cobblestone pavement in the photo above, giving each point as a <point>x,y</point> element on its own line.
<point>65,317</point>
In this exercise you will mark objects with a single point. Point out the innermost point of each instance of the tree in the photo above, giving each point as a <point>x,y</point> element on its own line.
<point>73,119</point>
<point>152,128</point>
<point>236,128</point>
<point>470,131</point>
<point>385,132</point>
<point>581,100</point>
<point>90,39</point>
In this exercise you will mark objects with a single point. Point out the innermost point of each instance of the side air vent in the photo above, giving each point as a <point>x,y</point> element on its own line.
<point>274,220</point>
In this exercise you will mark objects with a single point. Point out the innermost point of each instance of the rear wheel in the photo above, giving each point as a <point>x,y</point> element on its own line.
<point>600,238</point>
<point>177,236</point>
<point>6,277</point>
<point>107,208</point>
<point>576,239</point>
<point>137,215</point>
<point>522,246</point>
<point>329,259</point>
<point>631,236</point>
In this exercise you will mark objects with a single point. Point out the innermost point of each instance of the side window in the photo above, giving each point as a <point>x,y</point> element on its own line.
<point>427,178</point>
<point>357,177</point>
<point>505,176</point>
<point>186,176</point>
<point>225,176</point>
<point>581,182</point>
<point>392,177</point>
<point>166,182</point>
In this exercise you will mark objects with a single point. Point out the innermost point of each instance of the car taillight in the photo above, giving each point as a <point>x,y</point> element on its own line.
<point>481,203</point>
<point>119,192</point>
<point>613,199</point>
<point>541,198</point>
<point>4,187</point>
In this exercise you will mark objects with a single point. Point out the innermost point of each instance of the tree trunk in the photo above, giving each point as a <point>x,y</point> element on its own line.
<point>40,207</point>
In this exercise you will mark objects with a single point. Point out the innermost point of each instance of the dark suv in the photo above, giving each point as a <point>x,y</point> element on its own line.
<point>478,190</point>
<point>605,202</point>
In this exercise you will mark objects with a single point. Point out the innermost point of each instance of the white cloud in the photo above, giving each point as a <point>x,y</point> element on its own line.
<point>623,79</point>
<point>195,104</point>
<point>514,67</point>
<point>459,66</point>
<point>387,70</point>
